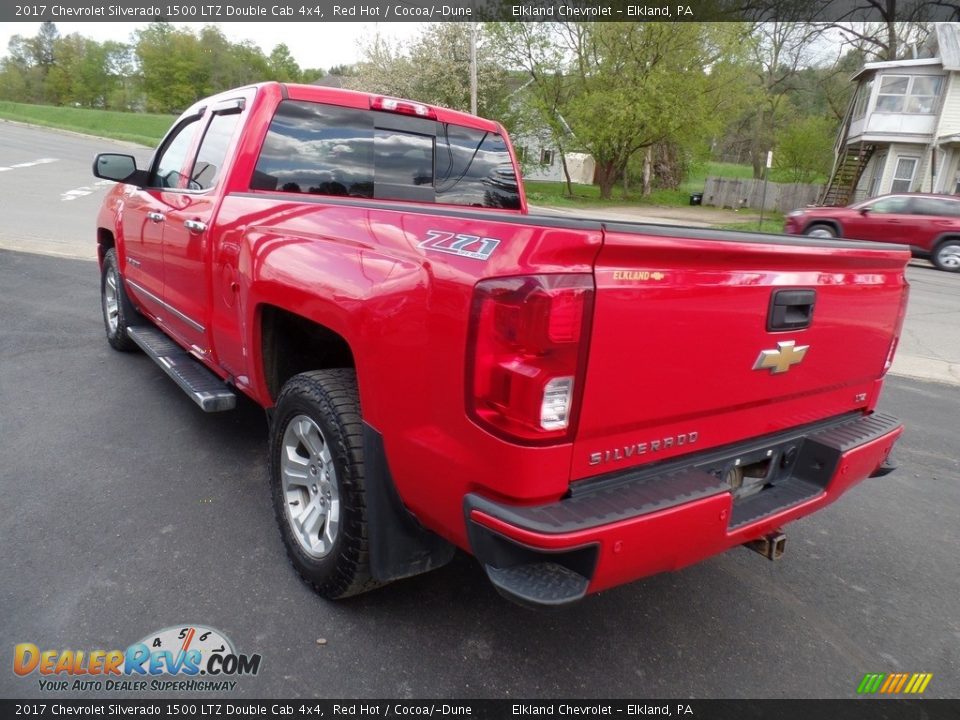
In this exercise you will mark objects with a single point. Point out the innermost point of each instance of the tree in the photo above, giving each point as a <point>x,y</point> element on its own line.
<point>178,67</point>
<point>889,39</point>
<point>780,51</point>
<point>805,149</point>
<point>283,67</point>
<point>434,68</point>
<point>625,87</point>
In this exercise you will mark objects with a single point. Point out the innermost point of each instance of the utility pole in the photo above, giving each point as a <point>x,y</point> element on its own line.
<point>473,68</point>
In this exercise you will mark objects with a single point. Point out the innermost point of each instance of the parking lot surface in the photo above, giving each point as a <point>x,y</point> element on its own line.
<point>127,510</point>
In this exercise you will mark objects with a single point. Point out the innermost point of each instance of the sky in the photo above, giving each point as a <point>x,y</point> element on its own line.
<point>313,45</point>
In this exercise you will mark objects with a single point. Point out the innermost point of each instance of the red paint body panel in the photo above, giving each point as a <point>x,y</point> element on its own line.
<point>677,326</point>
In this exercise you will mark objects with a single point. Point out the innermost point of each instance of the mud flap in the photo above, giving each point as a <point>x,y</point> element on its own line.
<point>399,545</point>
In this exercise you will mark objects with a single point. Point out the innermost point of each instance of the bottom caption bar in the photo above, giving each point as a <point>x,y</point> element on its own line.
<point>852,709</point>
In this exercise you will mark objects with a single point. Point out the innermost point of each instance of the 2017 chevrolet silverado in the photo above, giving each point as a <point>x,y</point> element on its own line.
<point>576,403</point>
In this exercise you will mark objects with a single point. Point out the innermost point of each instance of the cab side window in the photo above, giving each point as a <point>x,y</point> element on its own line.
<point>167,169</point>
<point>213,151</point>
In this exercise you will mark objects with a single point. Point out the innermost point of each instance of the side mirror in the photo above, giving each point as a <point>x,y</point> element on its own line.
<point>116,167</point>
<point>864,211</point>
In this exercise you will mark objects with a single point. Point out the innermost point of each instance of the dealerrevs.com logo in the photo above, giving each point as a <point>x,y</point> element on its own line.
<point>182,658</point>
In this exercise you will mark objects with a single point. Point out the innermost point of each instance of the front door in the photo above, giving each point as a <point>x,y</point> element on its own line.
<point>145,218</point>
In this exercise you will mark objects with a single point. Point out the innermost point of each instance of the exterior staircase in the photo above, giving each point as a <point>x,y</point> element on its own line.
<point>847,171</point>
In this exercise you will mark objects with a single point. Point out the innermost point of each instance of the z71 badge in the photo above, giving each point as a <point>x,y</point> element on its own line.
<point>471,246</point>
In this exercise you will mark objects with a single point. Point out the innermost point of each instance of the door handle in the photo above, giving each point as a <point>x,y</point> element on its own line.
<point>155,216</point>
<point>791,309</point>
<point>195,226</point>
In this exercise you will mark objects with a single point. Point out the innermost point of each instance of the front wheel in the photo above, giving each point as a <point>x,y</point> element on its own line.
<point>317,481</point>
<point>820,230</point>
<point>946,256</point>
<point>117,309</point>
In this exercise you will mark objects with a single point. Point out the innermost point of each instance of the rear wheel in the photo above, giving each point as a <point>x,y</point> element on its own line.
<point>820,230</point>
<point>117,308</point>
<point>946,256</point>
<point>317,481</point>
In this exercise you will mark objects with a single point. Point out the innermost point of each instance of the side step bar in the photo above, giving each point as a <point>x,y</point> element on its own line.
<point>202,386</point>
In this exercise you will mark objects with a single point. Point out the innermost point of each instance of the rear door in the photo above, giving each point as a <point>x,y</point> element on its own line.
<point>888,219</point>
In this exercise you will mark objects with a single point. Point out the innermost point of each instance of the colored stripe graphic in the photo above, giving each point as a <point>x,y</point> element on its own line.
<point>870,683</point>
<point>894,683</point>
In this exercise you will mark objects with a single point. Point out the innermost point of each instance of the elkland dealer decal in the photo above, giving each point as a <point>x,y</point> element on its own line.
<point>171,659</point>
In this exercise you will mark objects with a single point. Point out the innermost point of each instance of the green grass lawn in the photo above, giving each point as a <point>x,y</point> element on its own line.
<point>554,193</point>
<point>770,224</point>
<point>144,128</point>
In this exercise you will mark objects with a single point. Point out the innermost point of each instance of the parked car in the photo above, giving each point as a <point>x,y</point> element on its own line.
<point>929,224</point>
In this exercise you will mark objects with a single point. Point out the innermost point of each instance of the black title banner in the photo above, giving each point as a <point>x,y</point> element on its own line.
<point>479,10</point>
<point>489,709</point>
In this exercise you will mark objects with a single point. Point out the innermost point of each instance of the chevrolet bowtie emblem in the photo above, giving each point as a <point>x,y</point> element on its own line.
<point>780,360</point>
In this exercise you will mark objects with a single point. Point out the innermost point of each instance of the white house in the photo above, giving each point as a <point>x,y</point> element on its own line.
<point>902,129</point>
<point>541,160</point>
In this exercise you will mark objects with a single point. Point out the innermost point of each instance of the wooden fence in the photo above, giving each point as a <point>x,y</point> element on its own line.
<point>748,193</point>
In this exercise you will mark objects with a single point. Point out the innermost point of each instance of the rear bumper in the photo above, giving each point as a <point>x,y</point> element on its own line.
<point>617,528</point>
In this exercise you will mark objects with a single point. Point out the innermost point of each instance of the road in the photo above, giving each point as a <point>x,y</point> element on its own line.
<point>129,511</point>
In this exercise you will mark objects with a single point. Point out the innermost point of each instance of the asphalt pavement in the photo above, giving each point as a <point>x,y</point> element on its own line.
<point>128,510</point>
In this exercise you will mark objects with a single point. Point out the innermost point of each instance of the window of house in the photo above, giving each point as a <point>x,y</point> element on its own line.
<point>903,175</point>
<point>546,157</point>
<point>863,98</point>
<point>909,93</point>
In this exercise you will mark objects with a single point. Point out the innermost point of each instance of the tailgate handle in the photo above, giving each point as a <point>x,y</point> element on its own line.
<point>791,309</point>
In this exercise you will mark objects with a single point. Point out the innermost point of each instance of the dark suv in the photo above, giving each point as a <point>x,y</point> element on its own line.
<point>929,224</point>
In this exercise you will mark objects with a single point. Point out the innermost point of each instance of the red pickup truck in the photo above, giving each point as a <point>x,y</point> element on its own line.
<point>576,403</point>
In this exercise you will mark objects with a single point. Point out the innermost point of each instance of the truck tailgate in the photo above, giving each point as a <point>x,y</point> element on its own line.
<point>682,356</point>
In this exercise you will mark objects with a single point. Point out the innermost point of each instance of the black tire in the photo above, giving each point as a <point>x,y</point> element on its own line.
<point>820,230</point>
<point>946,255</point>
<point>330,400</point>
<point>118,312</point>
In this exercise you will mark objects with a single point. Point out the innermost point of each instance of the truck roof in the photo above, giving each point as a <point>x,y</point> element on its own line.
<point>355,99</point>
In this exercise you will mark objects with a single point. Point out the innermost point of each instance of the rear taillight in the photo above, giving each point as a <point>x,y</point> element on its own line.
<point>526,355</point>
<point>898,327</point>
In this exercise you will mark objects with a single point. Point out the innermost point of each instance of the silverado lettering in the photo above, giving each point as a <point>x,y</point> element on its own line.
<point>442,369</point>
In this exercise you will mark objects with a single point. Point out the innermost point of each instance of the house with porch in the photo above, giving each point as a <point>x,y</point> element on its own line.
<point>901,132</point>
